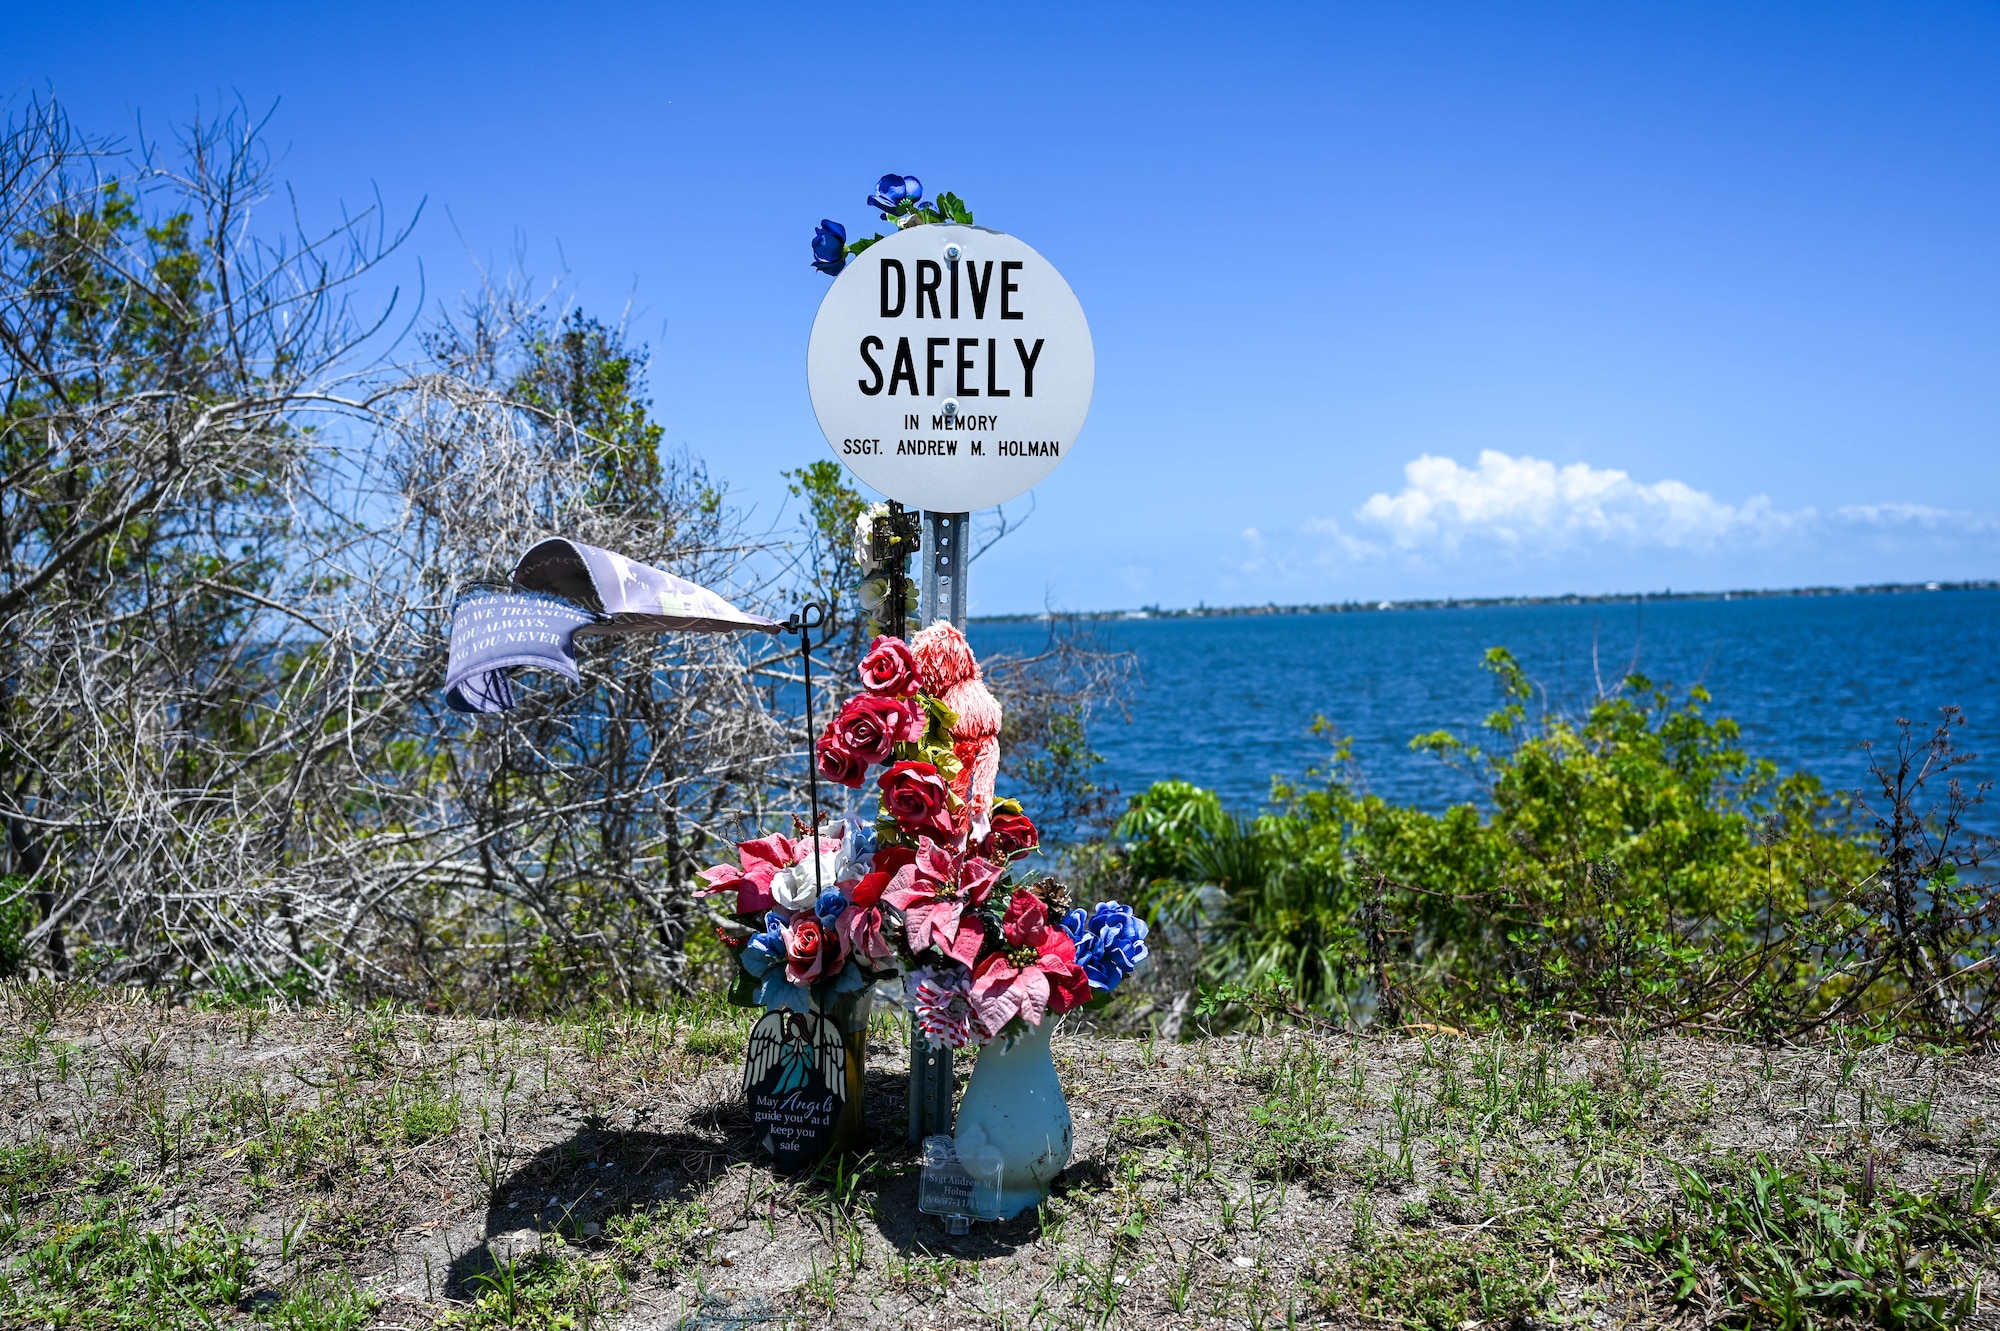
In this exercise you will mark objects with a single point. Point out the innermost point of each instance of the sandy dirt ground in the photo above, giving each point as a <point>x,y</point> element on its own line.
<point>396,1169</point>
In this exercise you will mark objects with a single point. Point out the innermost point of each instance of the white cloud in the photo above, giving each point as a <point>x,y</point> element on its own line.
<point>1530,506</point>
<point>1913,515</point>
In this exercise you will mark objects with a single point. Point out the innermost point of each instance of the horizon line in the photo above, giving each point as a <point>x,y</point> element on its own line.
<point>1204,611</point>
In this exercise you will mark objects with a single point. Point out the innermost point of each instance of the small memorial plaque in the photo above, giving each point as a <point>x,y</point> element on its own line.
<point>947,1188</point>
<point>795,1077</point>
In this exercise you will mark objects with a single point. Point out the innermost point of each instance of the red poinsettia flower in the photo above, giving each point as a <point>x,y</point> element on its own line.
<point>760,862</point>
<point>917,798</point>
<point>869,890</point>
<point>888,859</point>
<point>863,925</point>
<point>935,892</point>
<point>1033,974</point>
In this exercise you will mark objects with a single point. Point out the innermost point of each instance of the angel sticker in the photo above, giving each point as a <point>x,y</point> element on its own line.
<point>795,1077</point>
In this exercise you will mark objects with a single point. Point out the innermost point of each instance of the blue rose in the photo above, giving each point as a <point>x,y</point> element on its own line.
<point>829,906</point>
<point>830,247</point>
<point>861,837</point>
<point>891,191</point>
<point>763,956</point>
<point>1110,943</point>
<point>764,950</point>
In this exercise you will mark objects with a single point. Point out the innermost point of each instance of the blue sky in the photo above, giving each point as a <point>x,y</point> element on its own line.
<point>1388,301</point>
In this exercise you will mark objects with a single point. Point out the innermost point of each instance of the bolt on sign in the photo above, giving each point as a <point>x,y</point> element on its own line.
<point>951,367</point>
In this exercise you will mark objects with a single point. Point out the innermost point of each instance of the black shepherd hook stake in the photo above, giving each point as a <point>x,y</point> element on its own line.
<point>804,620</point>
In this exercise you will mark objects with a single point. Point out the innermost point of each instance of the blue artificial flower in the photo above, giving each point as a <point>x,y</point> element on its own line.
<point>764,950</point>
<point>860,838</point>
<point>829,906</point>
<point>1110,943</point>
<point>763,957</point>
<point>847,981</point>
<point>830,247</point>
<point>890,191</point>
<point>774,991</point>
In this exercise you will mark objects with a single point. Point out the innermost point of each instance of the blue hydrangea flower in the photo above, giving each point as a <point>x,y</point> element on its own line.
<point>829,247</point>
<point>829,906</point>
<point>890,191</point>
<point>1110,943</point>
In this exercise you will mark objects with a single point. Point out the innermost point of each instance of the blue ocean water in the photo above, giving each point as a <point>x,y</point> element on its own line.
<point>1228,702</point>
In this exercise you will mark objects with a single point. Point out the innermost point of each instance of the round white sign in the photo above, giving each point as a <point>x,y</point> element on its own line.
<point>950,367</point>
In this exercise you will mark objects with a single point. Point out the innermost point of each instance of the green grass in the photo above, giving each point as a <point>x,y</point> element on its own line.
<point>323,1302</point>
<point>1434,1281</point>
<point>425,1113</point>
<point>553,1289</point>
<point>104,1271</point>
<point>1820,1246</point>
<point>658,1239</point>
<point>716,1041</point>
<point>1427,1183</point>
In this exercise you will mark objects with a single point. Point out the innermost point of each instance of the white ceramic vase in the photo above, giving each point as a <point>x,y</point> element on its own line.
<point>1014,1122</point>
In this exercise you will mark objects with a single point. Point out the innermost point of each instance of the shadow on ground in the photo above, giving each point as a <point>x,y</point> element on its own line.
<point>578,1186</point>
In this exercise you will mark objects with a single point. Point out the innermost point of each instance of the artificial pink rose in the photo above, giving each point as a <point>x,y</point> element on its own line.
<point>870,727</point>
<point>889,669</point>
<point>837,763</point>
<point>917,798</point>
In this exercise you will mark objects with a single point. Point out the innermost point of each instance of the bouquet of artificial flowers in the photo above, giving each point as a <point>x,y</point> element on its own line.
<point>928,891</point>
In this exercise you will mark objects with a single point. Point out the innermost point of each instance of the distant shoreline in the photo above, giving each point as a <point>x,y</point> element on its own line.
<point>1474,602</point>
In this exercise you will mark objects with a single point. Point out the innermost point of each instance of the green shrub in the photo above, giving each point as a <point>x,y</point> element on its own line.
<point>1633,863</point>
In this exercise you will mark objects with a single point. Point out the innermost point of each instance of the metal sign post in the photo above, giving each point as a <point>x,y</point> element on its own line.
<point>944,569</point>
<point>943,593</point>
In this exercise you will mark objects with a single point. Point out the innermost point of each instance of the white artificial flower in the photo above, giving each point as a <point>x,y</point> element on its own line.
<point>864,536</point>
<point>797,889</point>
<point>847,863</point>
